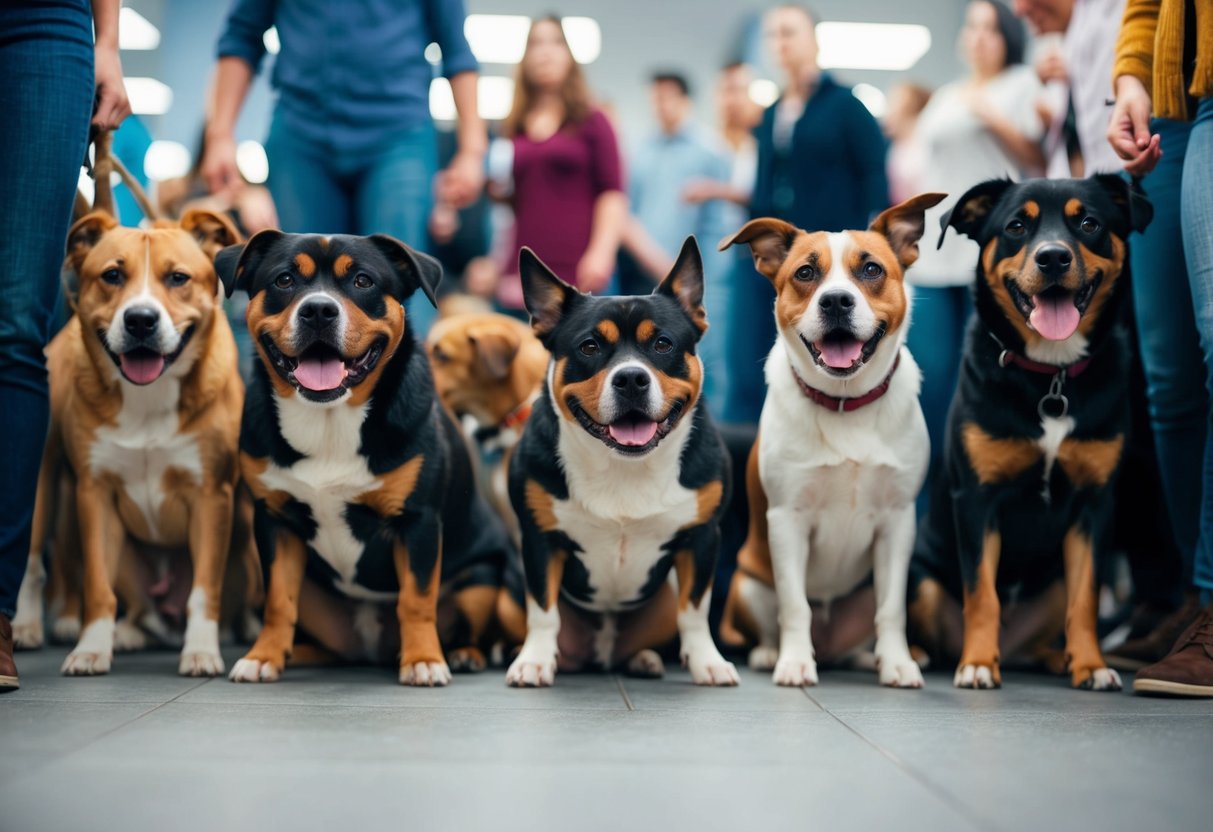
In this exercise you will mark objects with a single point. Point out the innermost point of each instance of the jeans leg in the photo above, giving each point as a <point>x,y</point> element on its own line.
<point>308,192</point>
<point>1197,214</point>
<point>750,335</point>
<point>394,197</point>
<point>1170,347</point>
<point>47,98</point>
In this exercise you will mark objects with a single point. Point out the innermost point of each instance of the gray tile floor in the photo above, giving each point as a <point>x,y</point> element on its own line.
<point>344,749</point>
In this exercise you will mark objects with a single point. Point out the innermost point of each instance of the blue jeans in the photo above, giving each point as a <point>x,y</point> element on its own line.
<point>46,61</point>
<point>936,340</point>
<point>323,190</point>
<point>740,334</point>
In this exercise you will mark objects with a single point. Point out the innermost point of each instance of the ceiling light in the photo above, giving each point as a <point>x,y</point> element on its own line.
<point>135,32</point>
<point>497,38</point>
<point>148,96</point>
<point>270,39</point>
<point>584,37</point>
<point>433,54</point>
<point>763,92</point>
<point>889,46</point>
<point>166,160</point>
<point>872,98</point>
<point>494,98</point>
<point>251,160</point>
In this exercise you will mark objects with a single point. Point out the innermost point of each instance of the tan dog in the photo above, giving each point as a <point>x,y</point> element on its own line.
<point>145,419</point>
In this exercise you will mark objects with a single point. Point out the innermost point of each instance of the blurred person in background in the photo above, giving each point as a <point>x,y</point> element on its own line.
<point>906,153</point>
<point>351,147</point>
<point>983,126</point>
<point>60,65</point>
<point>566,175</point>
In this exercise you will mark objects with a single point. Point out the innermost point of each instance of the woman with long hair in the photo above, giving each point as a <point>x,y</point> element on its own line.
<point>568,199</point>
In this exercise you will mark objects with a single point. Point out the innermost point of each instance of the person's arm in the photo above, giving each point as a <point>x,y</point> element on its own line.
<point>651,257</point>
<point>1132,75</point>
<point>111,105</point>
<point>241,49</point>
<point>463,180</point>
<point>610,207</point>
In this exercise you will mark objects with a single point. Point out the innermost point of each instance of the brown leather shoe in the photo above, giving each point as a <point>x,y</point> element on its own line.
<point>1156,644</point>
<point>8,670</point>
<point>1188,668</point>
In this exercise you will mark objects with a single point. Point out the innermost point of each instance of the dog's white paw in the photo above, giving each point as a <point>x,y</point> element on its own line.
<point>425,675</point>
<point>200,663</point>
<point>900,674</point>
<point>795,670</point>
<point>66,629</point>
<point>128,637</point>
<point>525,672</point>
<point>976,677</point>
<point>712,670</point>
<point>646,665</point>
<point>1101,678</point>
<point>252,670</point>
<point>82,663</point>
<point>28,633</point>
<point>763,658</point>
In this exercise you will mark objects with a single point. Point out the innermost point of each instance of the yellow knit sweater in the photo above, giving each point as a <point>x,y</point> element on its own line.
<point>1151,47</point>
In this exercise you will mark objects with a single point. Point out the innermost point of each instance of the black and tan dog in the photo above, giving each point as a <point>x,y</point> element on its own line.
<point>1037,426</point>
<point>364,486</point>
<point>619,480</point>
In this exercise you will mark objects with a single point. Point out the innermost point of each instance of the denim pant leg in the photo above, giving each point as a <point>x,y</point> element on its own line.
<point>718,300</point>
<point>309,193</point>
<point>1197,213</point>
<point>1170,347</point>
<point>394,198</point>
<point>751,333</point>
<point>46,61</point>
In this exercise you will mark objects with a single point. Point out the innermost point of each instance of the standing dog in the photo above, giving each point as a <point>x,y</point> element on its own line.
<point>842,448</point>
<point>619,478</point>
<point>362,482</point>
<point>1036,429</point>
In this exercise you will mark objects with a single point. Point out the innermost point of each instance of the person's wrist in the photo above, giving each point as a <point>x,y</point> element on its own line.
<point>219,134</point>
<point>1128,84</point>
<point>106,42</point>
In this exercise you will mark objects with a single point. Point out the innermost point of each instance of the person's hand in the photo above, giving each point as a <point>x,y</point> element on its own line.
<point>1129,127</point>
<point>256,207</point>
<point>594,270</point>
<point>701,190</point>
<point>443,223</point>
<point>463,180</point>
<point>481,276</point>
<point>218,168</point>
<point>111,105</point>
<point>1051,66</point>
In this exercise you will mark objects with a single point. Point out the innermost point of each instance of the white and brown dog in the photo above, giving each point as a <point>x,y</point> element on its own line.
<point>145,420</point>
<point>841,453</point>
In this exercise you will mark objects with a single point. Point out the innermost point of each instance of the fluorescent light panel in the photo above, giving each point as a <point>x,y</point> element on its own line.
<point>252,161</point>
<point>148,96</point>
<point>494,97</point>
<point>270,39</point>
<point>887,46</point>
<point>166,160</point>
<point>763,91</point>
<point>872,98</point>
<point>135,32</point>
<point>501,38</point>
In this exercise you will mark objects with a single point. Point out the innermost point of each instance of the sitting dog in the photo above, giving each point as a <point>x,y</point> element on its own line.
<point>841,453</point>
<point>145,404</point>
<point>620,478</point>
<point>1036,429</point>
<point>363,485</point>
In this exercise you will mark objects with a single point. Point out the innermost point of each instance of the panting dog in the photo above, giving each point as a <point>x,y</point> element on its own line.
<point>619,482</point>
<point>364,487</point>
<point>142,448</point>
<point>1037,427</point>
<point>841,453</point>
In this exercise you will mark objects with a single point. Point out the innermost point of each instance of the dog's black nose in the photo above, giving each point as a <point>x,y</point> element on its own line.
<point>140,321</point>
<point>631,381</point>
<point>835,302</point>
<point>1054,260</point>
<point>318,312</point>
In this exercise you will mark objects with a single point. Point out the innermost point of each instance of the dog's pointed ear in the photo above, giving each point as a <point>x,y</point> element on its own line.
<point>903,225</point>
<point>1131,199</point>
<point>212,230</point>
<point>417,269</point>
<point>495,351</point>
<point>684,284</point>
<point>969,214</point>
<point>547,297</point>
<point>85,234</point>
<point>235,264</point>
<point>770,241</point>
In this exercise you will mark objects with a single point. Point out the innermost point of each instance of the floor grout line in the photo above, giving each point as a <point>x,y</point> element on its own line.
<point>627,700</point>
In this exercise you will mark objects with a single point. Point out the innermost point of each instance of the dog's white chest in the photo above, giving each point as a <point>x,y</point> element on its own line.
<point>144,444</point>
<point>331,475</point>
<point>1053,432</point>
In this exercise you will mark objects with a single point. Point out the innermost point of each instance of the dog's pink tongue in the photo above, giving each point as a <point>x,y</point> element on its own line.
<point>142,367</point>
<point>633,433</point>
<point>839,354</point>
<point>320,373</point>
<point>1054,317</point>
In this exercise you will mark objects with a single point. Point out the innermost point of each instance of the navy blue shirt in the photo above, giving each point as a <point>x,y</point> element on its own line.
<point>350,74</point>
<point>831,176</point>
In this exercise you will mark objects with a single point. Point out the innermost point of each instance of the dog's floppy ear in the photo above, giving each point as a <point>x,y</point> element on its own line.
<point>213,231</point>
<point>969,214</point>
<point>495,351</point>
<point>903,225</point>
<point>235,264</point>
<point>85,234</point>
<point>1130,199</point>
<point>684,284</point>
<point>417,269</point>
<point>770,240</point>
<point>548,298</point>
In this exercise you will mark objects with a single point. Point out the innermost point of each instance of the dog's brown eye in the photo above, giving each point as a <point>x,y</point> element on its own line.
<point>804,273</point>
<point>177,279</point>
<point>1089,225</point>
<point>362,280</point>
<point>663,344</point>
<point>872,269</point>
<point>589,347</point>
<point>284,281</point>
<point>112,276</point>
<point>1016,228</point>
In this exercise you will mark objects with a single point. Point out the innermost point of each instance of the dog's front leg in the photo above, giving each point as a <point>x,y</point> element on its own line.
<point>982,616</point>
<point>695,569</point>
<point>101,541</point>
<point>267,657</point>
<point>894,545</point>
<point>788,531</point>
<point>210,539</point>
<point>1087,668</point>
<point>419,569</point>
<point>535,665</point>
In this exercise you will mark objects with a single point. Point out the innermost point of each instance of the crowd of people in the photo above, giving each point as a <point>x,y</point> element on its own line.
<point>1051,87</point>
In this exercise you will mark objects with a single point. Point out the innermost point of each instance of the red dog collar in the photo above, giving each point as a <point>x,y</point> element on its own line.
<point>1074,370</point>
<point>518,416</point>
<point>842,404</point>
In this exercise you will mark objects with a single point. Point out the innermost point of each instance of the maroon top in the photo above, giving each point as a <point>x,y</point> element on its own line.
<point>556,182</point>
